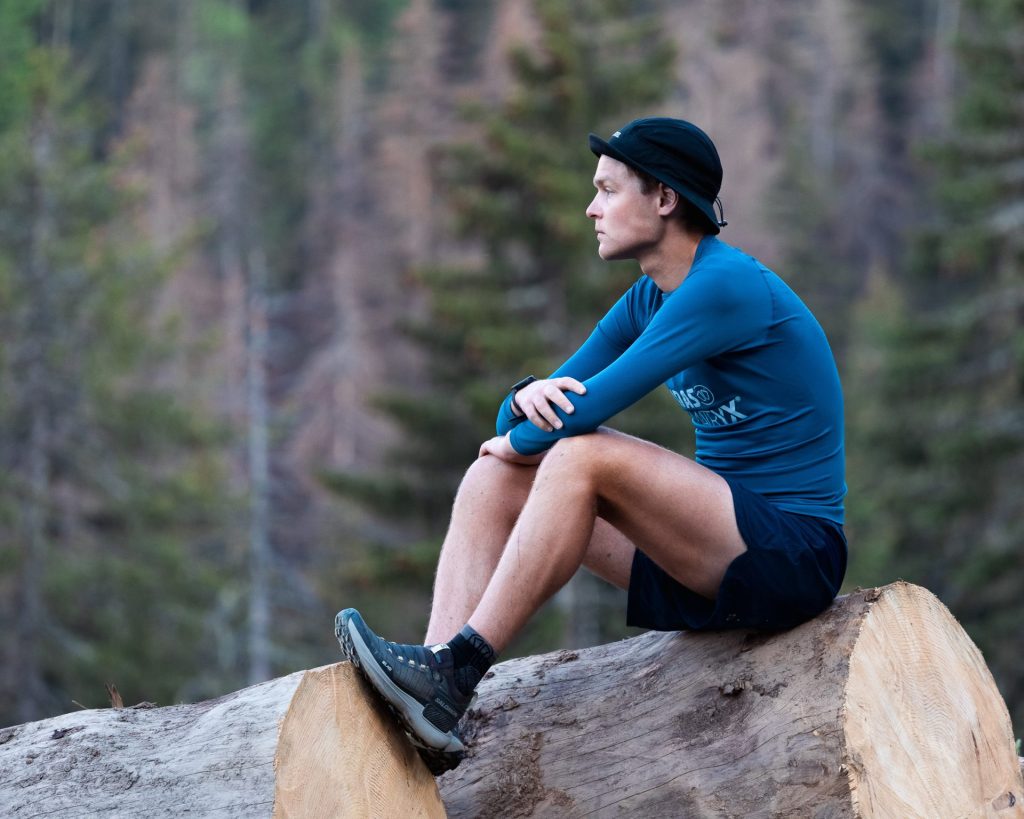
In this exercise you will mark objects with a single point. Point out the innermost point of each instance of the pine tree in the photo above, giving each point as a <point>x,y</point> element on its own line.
<point>847,192</point>
<point>106,495</point>
<point>518,192</point>
<point>939,449</point>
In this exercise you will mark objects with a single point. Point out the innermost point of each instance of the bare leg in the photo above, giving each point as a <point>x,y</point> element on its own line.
<point>487,505</point>
<point>486,508</point>
<point>682,513</point>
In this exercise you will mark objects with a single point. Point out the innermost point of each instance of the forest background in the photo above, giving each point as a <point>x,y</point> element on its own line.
<point>267,269</point>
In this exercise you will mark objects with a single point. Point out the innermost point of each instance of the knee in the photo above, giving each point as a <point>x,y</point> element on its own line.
<point>582,447</point>
<point>487,471</point>
<point>492,478</point>
<point>579,455</point>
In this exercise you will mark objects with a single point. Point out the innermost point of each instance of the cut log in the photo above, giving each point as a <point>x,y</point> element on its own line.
<point>880,707</point>
<point>313,744</point>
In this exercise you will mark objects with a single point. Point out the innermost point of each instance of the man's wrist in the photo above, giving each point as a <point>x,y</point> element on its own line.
<point>508,441</point>
<point>516,409</point>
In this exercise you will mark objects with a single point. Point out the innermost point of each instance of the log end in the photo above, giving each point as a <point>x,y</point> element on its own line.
<point>927,732</point>
<point>340,754</point>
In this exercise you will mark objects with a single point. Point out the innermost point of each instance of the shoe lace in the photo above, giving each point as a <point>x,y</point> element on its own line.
<point>403,654</point>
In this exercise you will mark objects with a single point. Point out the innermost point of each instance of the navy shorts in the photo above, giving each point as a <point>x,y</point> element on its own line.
<point>791,572</point>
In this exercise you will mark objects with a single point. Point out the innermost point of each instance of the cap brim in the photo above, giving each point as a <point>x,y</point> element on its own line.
<point>602,148</point>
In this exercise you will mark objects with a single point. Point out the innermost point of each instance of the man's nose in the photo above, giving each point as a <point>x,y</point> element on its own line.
<point>592,209</point>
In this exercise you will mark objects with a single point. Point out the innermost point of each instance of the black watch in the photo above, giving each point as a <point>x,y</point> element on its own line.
<point>516,388</point>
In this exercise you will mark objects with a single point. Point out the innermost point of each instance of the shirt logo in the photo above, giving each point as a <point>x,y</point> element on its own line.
<point>693,398</point>
<point>699,402</point>
<point>617,133</point>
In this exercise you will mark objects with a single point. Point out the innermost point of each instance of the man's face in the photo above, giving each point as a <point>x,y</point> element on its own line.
<point>627,221</point>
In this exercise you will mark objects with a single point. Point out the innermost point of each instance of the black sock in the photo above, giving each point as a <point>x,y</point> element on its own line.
<point>472,656</point>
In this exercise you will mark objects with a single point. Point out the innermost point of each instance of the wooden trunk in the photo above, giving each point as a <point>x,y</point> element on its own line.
<point>312,744</point>
<point>881,707</point>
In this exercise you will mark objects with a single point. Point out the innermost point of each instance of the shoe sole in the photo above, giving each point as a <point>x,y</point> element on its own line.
<point>406,709</point>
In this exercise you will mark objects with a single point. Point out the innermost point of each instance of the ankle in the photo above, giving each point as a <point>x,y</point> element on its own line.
<point>472,657</point>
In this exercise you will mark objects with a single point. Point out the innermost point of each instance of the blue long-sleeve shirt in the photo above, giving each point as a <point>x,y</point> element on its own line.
<point>742,354</point>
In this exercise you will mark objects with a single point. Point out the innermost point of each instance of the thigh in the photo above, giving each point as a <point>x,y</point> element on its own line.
<point>680,513</point>
<point>610,554</point>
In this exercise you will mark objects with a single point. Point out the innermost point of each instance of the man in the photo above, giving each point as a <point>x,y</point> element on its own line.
<point>748,535</point>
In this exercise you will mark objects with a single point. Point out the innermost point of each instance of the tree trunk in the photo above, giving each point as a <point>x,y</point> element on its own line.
<point>242,266</point>
<point>881,707</point>
<point>258,415</point>
<point>36,351</point>
<point>312,744</point>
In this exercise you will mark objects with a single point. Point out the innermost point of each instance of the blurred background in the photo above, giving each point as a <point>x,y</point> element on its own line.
<point>267,268</point>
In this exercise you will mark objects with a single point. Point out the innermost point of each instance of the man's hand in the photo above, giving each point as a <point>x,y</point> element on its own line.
<point>500,447</point>
<point>537,401</point>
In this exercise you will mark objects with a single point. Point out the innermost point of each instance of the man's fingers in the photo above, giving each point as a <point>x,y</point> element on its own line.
<point>497,447</point>
<point>487,447</point>
<point>534,415</point>
<point>539,400</point>
<point>555,395</point>
<point>563,401</point>
<point>571,384</point>
<point>550,415</point>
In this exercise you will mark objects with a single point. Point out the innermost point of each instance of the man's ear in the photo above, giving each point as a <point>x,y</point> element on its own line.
<point>667,199</point>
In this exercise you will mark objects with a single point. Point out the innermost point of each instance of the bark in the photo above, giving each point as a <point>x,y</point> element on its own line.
<point>880,707</point>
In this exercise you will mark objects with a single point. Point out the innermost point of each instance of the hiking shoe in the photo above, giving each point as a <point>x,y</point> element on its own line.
<point>416,682</point>
<point>437,762</point>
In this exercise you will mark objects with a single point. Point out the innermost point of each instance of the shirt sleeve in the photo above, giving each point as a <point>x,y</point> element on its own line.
<point>610,338</point>
<point>709,314</point>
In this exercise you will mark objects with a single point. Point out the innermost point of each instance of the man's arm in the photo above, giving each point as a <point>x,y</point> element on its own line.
<point>500,447</point>
<point>611,337</point>
<point>707,316</point>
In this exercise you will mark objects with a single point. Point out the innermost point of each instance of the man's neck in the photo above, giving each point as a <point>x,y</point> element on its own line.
<point>669,262</point>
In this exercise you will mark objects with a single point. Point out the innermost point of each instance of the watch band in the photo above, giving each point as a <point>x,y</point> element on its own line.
<point>520,384</point>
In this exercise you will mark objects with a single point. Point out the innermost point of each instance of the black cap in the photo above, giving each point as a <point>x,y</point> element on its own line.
<point>673,151</point>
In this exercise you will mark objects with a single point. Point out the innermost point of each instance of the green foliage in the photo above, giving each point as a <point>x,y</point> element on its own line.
<point>818,245</point>
<point>286,68</point>
<point>15,44</point>
<point>128,489</point>
<point>109,628</point>
<point>224,23</point>
<point>940,442</point>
